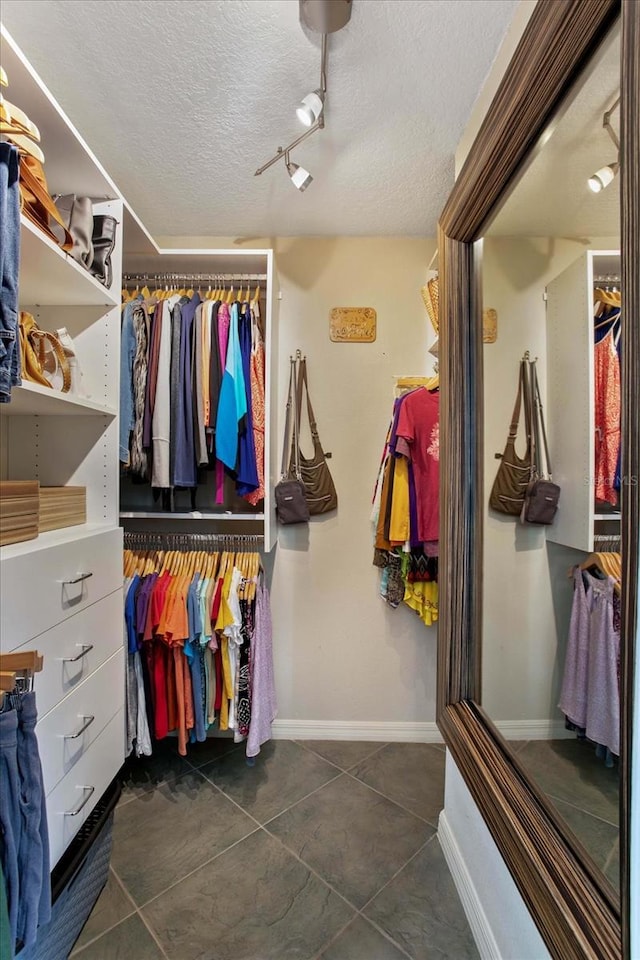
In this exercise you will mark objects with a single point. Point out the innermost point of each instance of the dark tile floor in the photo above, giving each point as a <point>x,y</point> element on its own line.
<point>321,851</point>
<point>584,791</point>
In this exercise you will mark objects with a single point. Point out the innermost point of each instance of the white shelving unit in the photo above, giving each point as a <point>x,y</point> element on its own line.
<point>570,413</point>
<point>138,514</point>
<point>65,586</point>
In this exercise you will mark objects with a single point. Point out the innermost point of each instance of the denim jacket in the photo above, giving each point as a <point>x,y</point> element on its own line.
<point>9,266</point>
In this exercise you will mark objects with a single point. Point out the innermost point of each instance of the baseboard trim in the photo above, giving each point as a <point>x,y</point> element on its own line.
<point>533,729</point>
<point>471,904</point>
<point>388,732</point>
<point>406,731</point>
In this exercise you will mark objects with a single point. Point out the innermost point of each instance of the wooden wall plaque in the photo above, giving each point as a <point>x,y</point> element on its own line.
<point>352,324</point>
<point>489,325</point>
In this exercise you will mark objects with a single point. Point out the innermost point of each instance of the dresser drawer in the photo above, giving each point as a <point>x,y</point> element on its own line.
<point>75,649</point>
<point>68,731</point>
<point>37,589</point>
<point>86,782</point>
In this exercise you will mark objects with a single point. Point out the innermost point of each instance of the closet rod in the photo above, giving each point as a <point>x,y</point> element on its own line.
<point>187,541</point>
<point>195,277</point>
<point>608,278</point>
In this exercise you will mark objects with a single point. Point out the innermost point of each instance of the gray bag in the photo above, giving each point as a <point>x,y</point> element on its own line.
<point>542,496</point>
<point>77,215</point>
<point>291,502</point>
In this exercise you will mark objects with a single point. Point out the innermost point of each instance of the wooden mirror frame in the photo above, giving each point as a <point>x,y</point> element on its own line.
<point>573,905</point>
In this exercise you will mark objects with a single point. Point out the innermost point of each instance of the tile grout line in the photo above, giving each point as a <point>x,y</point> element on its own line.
<point>595,816</point>
<point>378,748</point>
<point>398,871</point>
<point>128,916</point>
<point>391,800</point>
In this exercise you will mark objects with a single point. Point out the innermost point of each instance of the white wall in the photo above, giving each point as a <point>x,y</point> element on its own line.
<point>499,919</point>
<point>340,653</point>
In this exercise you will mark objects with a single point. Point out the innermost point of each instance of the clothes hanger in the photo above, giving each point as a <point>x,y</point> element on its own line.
<point>256,295</point>
<point>610,564</point>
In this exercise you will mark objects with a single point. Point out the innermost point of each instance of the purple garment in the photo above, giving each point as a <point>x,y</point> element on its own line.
<point>142,604</point>
<point>263,692</point>
<point>224,322</point>
<point>603,690</point>
<point>185,471</point>
<point>247,478</point>
<point>574,692</point>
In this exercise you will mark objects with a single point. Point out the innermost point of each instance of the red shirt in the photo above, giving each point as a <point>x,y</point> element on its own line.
<point>418,424</point>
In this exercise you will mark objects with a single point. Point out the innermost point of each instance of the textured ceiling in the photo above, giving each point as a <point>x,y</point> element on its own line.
<point>552,198</point>
<point>182,101</point>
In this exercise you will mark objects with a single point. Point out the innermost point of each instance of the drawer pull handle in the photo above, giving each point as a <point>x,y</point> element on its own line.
<point>86,648</point>
<point>85,726</point>
<point>78,579</point>
<point>83,803</point>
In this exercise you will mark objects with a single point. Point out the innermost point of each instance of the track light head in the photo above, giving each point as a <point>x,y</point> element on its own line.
<point>300,177</point>
<point>311,107</point>
<point>603,177</point>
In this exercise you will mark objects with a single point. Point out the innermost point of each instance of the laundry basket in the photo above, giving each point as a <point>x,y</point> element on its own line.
<point>77,881</point>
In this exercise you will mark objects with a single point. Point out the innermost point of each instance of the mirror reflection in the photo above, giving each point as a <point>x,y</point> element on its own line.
<point>553,336</point>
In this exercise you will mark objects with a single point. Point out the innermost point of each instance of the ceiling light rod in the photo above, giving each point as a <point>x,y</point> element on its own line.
<point>284,150</point>
<point>606,123</point>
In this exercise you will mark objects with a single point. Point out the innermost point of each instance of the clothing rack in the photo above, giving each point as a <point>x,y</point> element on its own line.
<point>609,542</point>
<point>608,278</point>
<point>192,277</point>
<point>134,540</point>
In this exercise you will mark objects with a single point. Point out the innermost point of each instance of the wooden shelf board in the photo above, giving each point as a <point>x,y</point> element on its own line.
<point>32,399</point>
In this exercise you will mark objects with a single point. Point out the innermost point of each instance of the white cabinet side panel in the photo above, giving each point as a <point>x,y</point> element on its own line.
<point>272,451</point>
<point>570,403</point>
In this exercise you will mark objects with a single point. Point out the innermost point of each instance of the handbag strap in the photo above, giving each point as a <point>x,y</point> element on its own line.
<point>304,385</point>
<point>540,420</point>
<point>284,470</point>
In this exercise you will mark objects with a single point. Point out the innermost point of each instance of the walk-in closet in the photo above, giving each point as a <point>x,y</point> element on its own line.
<point>318,479</point>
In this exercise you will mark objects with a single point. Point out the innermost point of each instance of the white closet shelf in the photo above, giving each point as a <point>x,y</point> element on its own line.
<point>53,538</point>
<point>50,277</point>
<point>31,398</point>
<point>193,515</point>
<point>607,516</point>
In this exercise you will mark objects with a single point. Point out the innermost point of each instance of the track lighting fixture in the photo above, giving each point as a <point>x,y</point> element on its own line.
<point>603,177</point>
<point>324,17</point>
<point>606,175</point>
<point>300,177</point>
<point>311,107</point>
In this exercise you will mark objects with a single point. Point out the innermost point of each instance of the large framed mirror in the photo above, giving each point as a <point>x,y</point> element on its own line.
<point>524,236</point>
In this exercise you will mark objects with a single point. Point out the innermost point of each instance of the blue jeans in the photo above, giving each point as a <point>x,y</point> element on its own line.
<point>33,855</point>
<point>23,822</point>
<point>9,267</point>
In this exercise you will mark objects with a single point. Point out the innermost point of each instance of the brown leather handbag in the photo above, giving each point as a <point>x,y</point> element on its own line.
<point>514,473</point>
<point>542,496</point>
<point>43,357</point>
<point>37,203</point>
<point>318,483</point>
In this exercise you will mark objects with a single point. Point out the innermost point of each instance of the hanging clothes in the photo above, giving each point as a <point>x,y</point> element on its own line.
<point>192,397</point>
<point>607,416</point>
<point>405,506</point>
<point>590,692</point>
<point>24,851</point>
<point>190,631</point>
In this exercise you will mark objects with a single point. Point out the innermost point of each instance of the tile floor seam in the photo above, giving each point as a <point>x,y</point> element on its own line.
<point>143,906</point>
<point>391,800</point>
<point>391,879</point>
<point>303,743</point>
<point>311,869</point>
<point>134,909</point>
<point>153,935</point>
<point>610,855</point>
<point>595,816</point>
<point>318,955</point>
<point>339,774</point>
<point>386,935</point>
